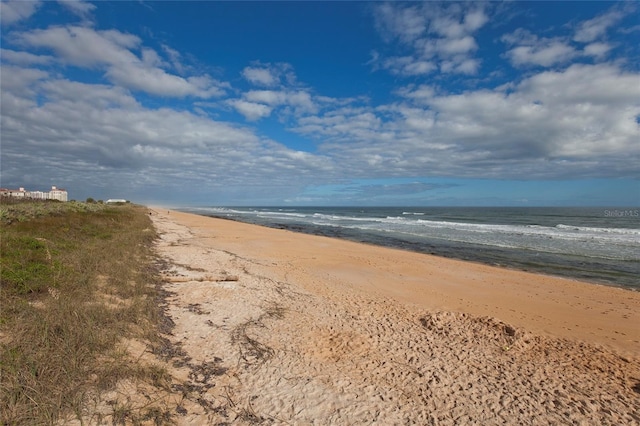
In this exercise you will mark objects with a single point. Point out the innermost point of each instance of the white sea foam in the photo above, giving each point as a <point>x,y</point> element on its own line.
<point>540,235</point>
<point>281,214</point>
<point>624,231</point>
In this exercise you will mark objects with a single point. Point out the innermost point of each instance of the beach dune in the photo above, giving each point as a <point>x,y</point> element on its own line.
<point>284,328</point>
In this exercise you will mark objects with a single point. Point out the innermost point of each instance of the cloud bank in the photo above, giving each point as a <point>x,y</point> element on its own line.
<point>144,120</point>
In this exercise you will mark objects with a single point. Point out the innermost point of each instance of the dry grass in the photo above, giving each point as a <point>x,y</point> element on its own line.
<point>76,279</point>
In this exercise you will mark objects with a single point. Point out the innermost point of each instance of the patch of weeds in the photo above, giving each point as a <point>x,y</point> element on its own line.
<point>26,264</point>
<point>16,210</point>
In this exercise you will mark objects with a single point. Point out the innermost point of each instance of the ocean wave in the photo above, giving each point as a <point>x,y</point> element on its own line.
<point>623,231</point>
<point>280,214</point>
<point>579,242</point>
<point>588,248</point>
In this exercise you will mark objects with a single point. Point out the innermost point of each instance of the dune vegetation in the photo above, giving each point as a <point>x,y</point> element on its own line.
<point>76,280</point>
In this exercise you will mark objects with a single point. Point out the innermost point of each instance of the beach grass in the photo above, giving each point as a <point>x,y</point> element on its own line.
<point>76,279</point>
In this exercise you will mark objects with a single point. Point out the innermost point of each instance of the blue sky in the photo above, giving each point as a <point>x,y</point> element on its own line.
<point>323,103</point>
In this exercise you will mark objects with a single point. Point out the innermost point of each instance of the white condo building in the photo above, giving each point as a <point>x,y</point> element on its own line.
<point>55,194</point>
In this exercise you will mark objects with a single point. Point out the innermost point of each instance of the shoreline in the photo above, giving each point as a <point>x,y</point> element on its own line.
<point>276,326</point>
<point>528,241</point>
<point>589,319</point>
<point>592,281</point>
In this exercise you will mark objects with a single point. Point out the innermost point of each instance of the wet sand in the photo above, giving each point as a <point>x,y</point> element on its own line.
<point>276,327</point>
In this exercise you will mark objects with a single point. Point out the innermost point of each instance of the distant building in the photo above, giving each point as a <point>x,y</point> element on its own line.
<point>39,195</point>
<point>17,193</point>
<point>115,201</point>
<point>55,194</point>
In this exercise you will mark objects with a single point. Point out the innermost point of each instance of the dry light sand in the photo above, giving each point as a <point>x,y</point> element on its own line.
<point>275,327</point>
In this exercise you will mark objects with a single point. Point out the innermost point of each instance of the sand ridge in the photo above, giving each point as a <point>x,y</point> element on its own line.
<point>281,328</point>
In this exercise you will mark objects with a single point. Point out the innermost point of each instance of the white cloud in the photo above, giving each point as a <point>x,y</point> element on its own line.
<point>296,101</point>
<point>629,30</point>
<point>269,97</point>
<point>546,53</point>
<point>285,96</point>
<point>531,50</point>
<point>520,36</point>
<point>577,122</point>
<point>467,66</point>
<point>407,24</point>
<point>84,47</point>
<point>122,39</point>
<point>420,94</point>
<point>595,28</point>
<point>418,68</point>
<point>439,36</point>
<point>151,58</point>
<point>260,76</point>
<point>528,49</point>
<point>301,101</point>
<point>409,66</point>
<point>79,7</point>
<point>99,136</point>
<point>158,82</point>
<point>110,50</point>
<point>17,10</point>
<point>359,123</point>
<point>270,74</point>
<point>24,58</point>
<point>597,50</point>
<point>176,59</point>
<point>475,19</point>
<point>457,46</point>
<point>594,84</point>
<point>18,80</point>
<point>252,111</point>
<point>97,95</point>
<point>454,22</point>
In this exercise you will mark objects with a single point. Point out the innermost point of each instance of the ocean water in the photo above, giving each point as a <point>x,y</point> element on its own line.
<point>594,244</point>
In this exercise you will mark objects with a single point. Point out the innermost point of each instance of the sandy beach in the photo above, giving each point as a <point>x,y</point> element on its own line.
<point>275,327</point>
